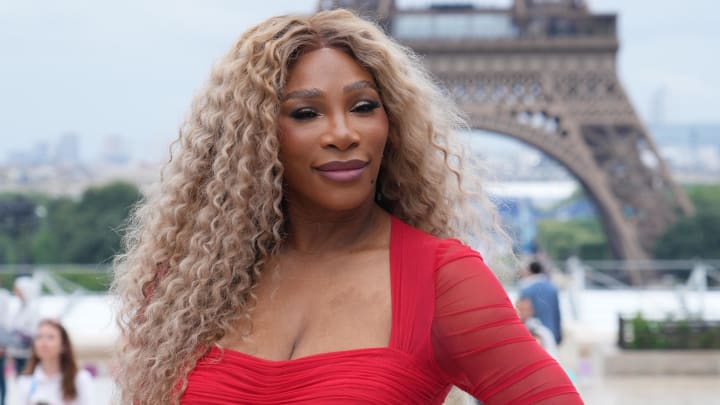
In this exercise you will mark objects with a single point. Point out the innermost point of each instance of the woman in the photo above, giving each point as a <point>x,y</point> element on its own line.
<point>297,251</point>
<point>51,376</point>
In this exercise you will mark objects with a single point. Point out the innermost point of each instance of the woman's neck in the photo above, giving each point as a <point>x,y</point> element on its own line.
<point>312,232</point>
<point>50,367</point>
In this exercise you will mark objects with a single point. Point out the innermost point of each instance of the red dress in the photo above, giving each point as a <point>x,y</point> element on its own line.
<point>452,324</point>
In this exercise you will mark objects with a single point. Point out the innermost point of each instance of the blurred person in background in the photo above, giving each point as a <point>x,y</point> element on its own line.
<point>542,293</point>
<point>24,322</point>
<point>6,338</point>
<point>51,376</point>
<point>544,336</point>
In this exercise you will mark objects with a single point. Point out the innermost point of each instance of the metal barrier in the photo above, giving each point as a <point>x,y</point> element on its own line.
<point>612,274</point>
<point>685,277</point>
<point>53,280</point>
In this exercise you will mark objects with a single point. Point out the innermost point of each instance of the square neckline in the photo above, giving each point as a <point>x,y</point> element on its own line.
<point>393,267</point>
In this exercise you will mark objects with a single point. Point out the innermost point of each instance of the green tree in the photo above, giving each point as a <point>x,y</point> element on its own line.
<point>698,235</point>
<point>562,239</point>
<point>88,230</point>
<point>705,197</point>
<point>18,222</point>
<point>56,231</point>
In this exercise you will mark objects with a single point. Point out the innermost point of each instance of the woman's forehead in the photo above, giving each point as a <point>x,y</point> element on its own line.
<point>326,68</point>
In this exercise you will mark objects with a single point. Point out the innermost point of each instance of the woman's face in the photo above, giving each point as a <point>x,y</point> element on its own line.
<point>333,130</point>
<point>47,343</point>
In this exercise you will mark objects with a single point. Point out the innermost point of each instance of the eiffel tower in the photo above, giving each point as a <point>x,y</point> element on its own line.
<point>544,72</point>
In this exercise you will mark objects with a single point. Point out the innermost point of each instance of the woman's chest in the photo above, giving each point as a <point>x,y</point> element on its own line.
<point>307,308</point>
<point>48,392</point>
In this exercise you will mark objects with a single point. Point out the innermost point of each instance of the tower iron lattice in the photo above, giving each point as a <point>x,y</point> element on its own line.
<point>544,72</point>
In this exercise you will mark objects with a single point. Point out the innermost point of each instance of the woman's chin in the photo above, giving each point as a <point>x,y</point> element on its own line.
<point>45,357</point>
<point>346,203</point>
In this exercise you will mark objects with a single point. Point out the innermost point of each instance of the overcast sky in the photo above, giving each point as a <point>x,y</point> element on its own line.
<point>130,67</point>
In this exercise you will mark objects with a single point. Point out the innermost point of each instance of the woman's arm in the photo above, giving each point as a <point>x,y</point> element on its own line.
<point>483,347</point>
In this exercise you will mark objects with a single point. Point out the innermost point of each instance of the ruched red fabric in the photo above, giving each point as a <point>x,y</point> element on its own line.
<point>452,324</point>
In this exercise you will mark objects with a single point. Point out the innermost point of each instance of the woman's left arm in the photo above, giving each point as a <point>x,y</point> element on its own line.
<point>482,346</point>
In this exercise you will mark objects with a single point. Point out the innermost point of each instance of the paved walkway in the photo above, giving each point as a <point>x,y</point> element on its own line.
<point>653,390</point>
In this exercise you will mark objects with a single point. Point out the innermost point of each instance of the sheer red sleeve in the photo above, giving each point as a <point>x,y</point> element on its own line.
<point>481,344</point>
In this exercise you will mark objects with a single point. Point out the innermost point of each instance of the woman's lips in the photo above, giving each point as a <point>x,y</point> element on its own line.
<point>348,170</point>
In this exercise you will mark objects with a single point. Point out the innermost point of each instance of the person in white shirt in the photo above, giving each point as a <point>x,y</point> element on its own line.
<point>51,376</point>
<point>23,324</point>
<point>543,335</point>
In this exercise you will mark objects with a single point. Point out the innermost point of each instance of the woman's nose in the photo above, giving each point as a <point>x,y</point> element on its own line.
<point>340,134</point>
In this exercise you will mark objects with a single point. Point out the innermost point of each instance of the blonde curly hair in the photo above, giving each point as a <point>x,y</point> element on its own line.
<point>195,249</point>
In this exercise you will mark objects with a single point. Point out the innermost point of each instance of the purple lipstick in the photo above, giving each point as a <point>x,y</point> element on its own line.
<point>348,170</point>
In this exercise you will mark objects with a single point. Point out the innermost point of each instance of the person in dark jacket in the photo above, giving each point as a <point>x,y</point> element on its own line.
<point>540,290</point>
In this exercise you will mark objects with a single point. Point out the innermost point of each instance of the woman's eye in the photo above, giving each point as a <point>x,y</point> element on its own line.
<point>365,106</point>
<point>303,114</point>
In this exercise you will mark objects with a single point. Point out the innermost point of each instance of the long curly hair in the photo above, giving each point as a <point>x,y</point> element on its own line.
<point>195,248</point>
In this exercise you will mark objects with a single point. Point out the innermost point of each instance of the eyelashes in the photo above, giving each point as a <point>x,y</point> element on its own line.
<point>303,114</point>
<point>361,107</point>
<point>365,106</point>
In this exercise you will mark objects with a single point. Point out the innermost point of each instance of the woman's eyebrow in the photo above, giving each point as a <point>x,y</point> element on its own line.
<point>304,93</point>
<point>360,84</point>
<point>315,93</point>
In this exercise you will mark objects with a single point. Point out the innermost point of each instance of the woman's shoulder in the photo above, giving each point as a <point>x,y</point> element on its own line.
<point>23,383</point>
<point>444,250</point>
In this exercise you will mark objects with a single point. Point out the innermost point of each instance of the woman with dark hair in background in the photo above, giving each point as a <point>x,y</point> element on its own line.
<point>300,248</point>
<point>51,376</point>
